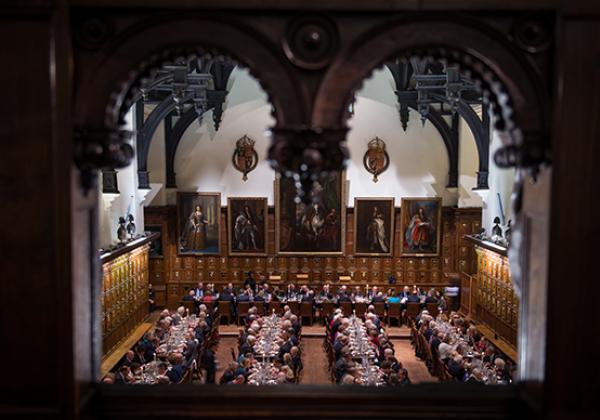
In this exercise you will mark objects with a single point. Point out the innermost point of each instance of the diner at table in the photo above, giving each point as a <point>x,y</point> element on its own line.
<point>464,354</point>
<point>361,353</point>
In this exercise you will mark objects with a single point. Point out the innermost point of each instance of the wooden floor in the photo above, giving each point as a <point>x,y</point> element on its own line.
<point>315,360</point>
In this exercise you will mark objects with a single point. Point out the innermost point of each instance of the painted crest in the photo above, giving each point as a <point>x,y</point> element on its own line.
<point>376,159</point>
<point>245,158</point>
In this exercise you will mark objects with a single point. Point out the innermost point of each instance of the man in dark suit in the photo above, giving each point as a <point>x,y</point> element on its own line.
<point>226,296</point>
<point>229,374</point>
<point>430,298</point>
<point>378,298</point>
<point>128,359</point>
<point>286,346</point>
<point>405,293</point>
<point>122,375</point>
<point>140,356</point>
<point>413,298</point>
<point>250,281</point>
<point>456,368</point>
<point>489,354</point>
<point>151,299</point>
<point>191,296</point>
<point>248,345</point>
<point>244,297</point>
<point>209,363</point>
<point>191,349</point>
<point>436,340</point>
<point>230,289</point>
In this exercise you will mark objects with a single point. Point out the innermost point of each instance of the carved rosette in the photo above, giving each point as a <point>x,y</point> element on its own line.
<point>376,159</point>
<point>245,157</point>
<point>101,149</point>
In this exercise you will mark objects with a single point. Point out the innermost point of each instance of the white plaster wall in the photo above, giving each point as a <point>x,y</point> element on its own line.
<point>129,201</point>
<point>419,164</point>
<point>468,165</point>
<point>500,182</point>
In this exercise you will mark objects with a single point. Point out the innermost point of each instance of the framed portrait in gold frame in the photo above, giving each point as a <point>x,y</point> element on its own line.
<point>247,221</point>
<point>374,226</point>
<point>317,228</point>
<point>420,226</point>
<point>198,223</point>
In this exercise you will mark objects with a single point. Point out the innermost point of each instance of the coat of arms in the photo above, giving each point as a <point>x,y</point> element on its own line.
<point>376,159</point>
<point>244,157</point>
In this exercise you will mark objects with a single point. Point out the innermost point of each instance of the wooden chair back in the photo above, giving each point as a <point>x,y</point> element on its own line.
<point>306,311</point>
<point>346,308</point>
<point>187,377</point>
<point>394,312</point>
<point>380,309</point>
<point>433,310</point>
<point>242,310</point>
<point>326,311</point>
<point>412,309</point>
<point>225,311</point>
<point>190,305</point>
<point>275,306</point>
<point>294,306</point>
<point>361,308</point>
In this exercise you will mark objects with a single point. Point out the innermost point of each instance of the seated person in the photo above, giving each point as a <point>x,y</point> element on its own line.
<point>123,375</point>
<point>208,297</point>
<point>413,297</point>
<point>191,296</point>
<point>392,297</point>
<point>456,368</point>
<point>229,374</point>
<point>378,298</point>
<point>430,298</point>
<point>502,371</point>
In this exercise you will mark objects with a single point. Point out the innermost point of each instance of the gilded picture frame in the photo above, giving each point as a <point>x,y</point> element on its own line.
<point>247,228</point>
<point>294,235</point>
<point>421,219</point>
<point>198,233</point>
<point>373,234</point>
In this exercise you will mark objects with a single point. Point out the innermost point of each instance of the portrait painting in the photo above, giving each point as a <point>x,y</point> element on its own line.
<point>198,223</point>
<point>156,246</point>
<point>374,226</point>
<point>421,226</point>
<point>247,225</point>
<point>315,227</point>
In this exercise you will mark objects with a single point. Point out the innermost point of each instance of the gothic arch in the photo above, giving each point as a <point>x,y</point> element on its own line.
<point>516,96</point>
<point>111,74</point>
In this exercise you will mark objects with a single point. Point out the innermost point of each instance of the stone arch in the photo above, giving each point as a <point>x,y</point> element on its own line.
<point>516,97</point>
<point>112,74</point>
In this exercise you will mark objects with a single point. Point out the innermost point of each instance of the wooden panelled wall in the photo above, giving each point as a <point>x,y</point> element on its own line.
<point>172,275</point>
<point>124,294</point>
<point>489,297</point>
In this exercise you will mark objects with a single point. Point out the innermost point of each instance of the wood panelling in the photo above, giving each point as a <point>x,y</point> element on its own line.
<point>124,294</point>
<point>178,273</point>
<point>489,296</point>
